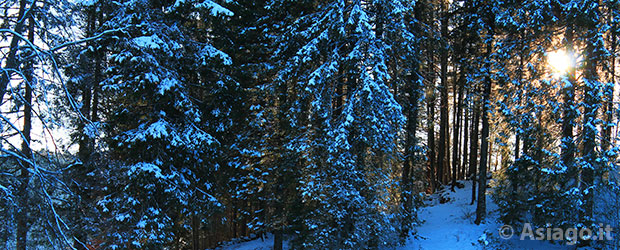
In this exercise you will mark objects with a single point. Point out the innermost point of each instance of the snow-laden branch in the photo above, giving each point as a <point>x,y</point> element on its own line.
<point>88,39</point>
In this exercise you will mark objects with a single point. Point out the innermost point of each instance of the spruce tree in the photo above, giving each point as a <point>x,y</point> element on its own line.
<point>339,66</point>
<point>161,78</point>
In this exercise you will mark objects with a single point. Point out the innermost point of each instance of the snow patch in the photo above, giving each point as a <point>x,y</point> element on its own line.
<point>149,42</point>
<point>208,51</point>
<point>166,85</point>
<point>448,225</point>
<point>146,167</point>
<point>215,8</point>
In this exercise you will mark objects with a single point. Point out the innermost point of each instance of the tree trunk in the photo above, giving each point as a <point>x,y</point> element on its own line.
<point>608,107</point>
<point>591,100</point>
<point>484,147</point>
<point>456,120</point>
<point>473,156</point>
<point>517,142</point>
<point>24,177</point>
<point>465,139</point>
<point>443,153</point>
<point>567,154</point>
<point>277,239</point>
<point>12,62</point>
<point>86,88</point>
<point>520,81</point>
<point>490,154</point>
<point>433,171</point>
<point>411,143</point>
<point>195,232</point>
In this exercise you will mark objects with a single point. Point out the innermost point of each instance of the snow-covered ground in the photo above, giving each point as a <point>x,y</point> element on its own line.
<point>451,226</point>
<point>257,244</point>
<point>446,226</point>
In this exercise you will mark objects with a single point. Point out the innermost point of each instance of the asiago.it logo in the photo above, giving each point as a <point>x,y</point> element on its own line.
<point>570,235</point>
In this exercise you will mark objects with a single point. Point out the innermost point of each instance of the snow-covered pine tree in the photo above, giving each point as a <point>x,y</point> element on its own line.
<point>555,181</point>
<point>533,103</point>
<point>519,103</point>
<point>588,20</point>
<point>336,60</point>
<point>407,40</point>
<point>159,117</point>
<point>246,37</point>
<point>85,64</point>
<point>607,199</point>
<point>263,173</point>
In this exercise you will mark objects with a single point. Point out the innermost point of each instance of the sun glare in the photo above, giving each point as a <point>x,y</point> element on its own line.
<point>559,61</point>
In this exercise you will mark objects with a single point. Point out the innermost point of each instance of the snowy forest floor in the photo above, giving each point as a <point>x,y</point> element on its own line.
<point>446,226</point>
<point>451,226</point>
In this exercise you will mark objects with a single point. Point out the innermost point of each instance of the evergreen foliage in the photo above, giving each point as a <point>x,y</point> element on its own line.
<point>161,124</point>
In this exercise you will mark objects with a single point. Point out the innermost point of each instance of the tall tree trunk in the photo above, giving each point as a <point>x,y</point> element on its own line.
<point>517,144</point>
<point>277,239</point>
<point>195,232</point>
<point>484,147</point>
<point>410,158</point>
<point>86,88</point>
<point>591,166</point>
<point>608,107</point>
<point>490,153</point>
<point>94,115</point>
<point>520,81</point>
<point>413,89</point>
<point>456,120</point>
<point>282,129</point>
<point>100,63</point>
<point>443,153</point>
<point>95,88</point>
<point>465,138</point>
<point>473,156</point>
<point>567,154</point>
<point>12,61</point>
<point>433,170</point>
<point>24,177</point>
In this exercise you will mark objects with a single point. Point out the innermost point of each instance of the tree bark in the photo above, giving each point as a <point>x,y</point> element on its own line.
<point>433,171</point>
<point>443,152</point>
<point>456,120</point>
<point>591,166</point>
<point>195,232</point>
<point>567,154</point>
<point>608,107</point>
<point>24,177</point>
<point>484,147</point>
<point>411,143</point>
<point>473,157</point>
<point>277,239</point>
<point>465,139</point>
<point>11,62</point>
